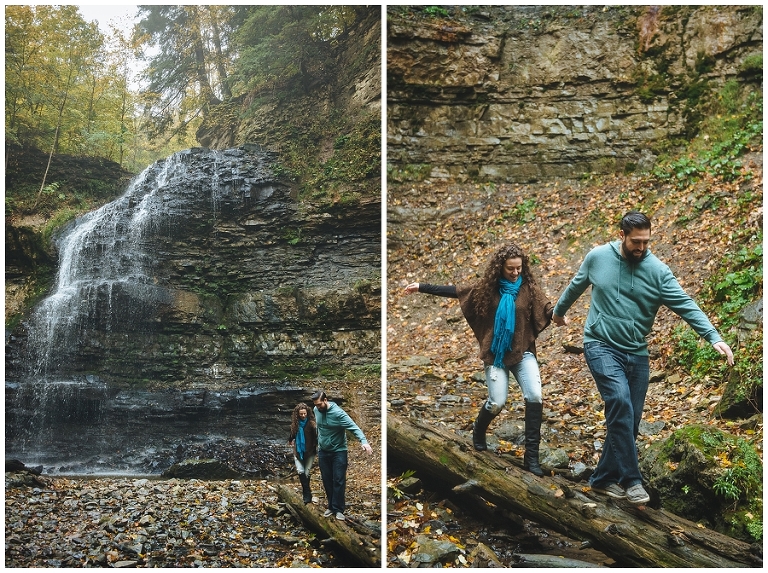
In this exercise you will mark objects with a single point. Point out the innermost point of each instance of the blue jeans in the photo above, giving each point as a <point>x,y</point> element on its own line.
<point>526,372</point>
<point>303,467</point>
<point>333,469</point>
<point>622,380</point>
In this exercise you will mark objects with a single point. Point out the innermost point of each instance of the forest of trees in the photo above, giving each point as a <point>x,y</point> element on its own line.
<point>133,98</point>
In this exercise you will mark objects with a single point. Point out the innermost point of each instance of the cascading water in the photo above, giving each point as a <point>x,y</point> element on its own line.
<point>61,411</point>
<point>103,264</point>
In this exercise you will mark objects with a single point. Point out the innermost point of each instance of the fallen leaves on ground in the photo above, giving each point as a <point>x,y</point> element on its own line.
<point>141,522</point>
<point>444,233</point>
<point>152,523</point>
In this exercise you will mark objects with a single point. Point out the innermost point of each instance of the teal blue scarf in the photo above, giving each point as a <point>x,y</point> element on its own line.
<point>300,439</point>
<point>504,325</point>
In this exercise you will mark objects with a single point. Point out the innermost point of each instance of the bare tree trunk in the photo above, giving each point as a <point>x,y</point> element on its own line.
<point>200,60</point>
<point>635,536</point>
<point>59,119</point>
<point>219,55</point>
<point>359,542</point>
<point>55,140</point>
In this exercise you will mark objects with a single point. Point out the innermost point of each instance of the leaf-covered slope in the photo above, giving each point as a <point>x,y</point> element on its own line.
<point>442,233</point>
<point>445,233</point>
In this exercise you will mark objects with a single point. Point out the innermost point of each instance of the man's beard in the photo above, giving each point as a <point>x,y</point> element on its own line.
<point>631,257</point>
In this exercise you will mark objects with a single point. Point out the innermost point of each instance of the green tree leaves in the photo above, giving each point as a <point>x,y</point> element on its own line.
<point>290,46</point>
<point>66,90</point>
<point>189,57</point>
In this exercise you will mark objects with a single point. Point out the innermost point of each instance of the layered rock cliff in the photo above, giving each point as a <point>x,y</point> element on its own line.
<point>526,93</point>
<point>245,287</point>
<point>204,273</point>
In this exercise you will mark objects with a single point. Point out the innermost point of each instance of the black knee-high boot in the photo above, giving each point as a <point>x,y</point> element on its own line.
<point>532,437</point>
<point>305,490</point>
<point>484,418</point>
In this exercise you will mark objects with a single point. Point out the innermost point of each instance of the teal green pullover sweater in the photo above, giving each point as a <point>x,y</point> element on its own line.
<point>626,298</point>
<point>332,426</point>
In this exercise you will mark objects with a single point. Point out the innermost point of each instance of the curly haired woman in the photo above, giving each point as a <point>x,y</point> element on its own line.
<point>506,311</point>
<point>303,438</point>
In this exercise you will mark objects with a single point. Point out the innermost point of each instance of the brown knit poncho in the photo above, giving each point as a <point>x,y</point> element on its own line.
<point>533,313</point>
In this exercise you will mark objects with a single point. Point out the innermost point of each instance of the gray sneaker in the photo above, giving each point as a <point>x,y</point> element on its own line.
<point>327,513</point>
<point>637,494</point>
<point>611,490</point>
<point>340,516</point>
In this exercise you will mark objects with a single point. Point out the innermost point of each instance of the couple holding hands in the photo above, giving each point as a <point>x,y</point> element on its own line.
<point>506,310</point>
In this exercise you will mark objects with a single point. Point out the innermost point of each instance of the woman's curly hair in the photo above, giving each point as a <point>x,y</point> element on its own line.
<point>488,286</point>
<point>295,417</point>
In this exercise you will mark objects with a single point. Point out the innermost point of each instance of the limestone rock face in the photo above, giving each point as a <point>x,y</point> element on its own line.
<point>520,93</point>
<point>207,272</point>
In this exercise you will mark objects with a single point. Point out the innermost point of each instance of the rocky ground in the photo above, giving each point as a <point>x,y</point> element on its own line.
<point>154,522</point>
<point>140,522</point>
<point>443,233</point>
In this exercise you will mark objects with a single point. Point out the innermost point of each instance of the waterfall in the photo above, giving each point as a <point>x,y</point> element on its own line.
<point>61,409</point>
<point>102,260</point>
<point>107,280</point>
<point>124,267</point>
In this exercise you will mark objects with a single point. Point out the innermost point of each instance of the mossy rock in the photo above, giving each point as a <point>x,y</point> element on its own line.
<point>690,470</point>
<point>742,397</point>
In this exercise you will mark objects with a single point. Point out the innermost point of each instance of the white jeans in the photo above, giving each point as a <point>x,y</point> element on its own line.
<point>304,467</point>
<point>526,372</point>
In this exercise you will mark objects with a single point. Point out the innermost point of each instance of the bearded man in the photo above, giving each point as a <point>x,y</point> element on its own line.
<point>629,285</point>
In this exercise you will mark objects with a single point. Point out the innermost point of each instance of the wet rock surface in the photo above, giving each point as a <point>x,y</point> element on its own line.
<point>128,522</point>
<point>89,429</point>
<point>206,272</point>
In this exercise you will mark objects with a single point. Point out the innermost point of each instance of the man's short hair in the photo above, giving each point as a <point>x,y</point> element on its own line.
<point>634,220</point>
<point>319,395</point>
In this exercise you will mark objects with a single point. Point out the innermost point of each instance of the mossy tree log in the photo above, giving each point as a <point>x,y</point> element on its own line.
<point>358,542</point>
<point>636,536</point>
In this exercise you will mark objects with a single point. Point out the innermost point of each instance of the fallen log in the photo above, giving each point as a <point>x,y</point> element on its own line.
<point>550,562</point>
<point>636,536</point>
<point>360,543</point>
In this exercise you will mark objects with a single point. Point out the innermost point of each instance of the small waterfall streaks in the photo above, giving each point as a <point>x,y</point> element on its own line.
<point>67,402</point>
<point>100,256</point>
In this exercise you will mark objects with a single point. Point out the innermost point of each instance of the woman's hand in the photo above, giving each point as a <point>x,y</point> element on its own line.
<point>411,288</point>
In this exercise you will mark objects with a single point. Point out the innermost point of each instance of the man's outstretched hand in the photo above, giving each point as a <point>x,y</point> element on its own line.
<point>725,350</point>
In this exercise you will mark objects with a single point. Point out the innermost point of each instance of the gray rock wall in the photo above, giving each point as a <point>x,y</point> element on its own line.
<point>231,281</point>
<point>531,93</point>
